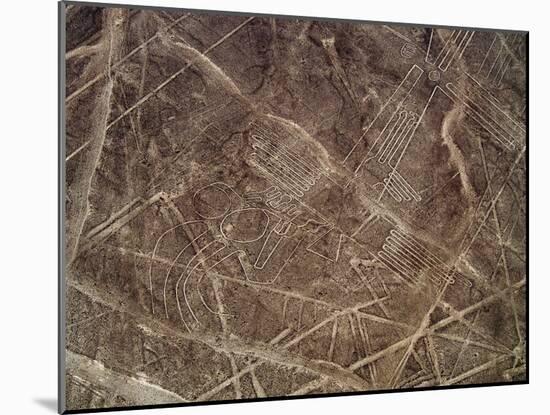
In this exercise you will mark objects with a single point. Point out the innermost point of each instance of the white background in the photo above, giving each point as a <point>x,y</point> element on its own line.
<point>28,205</point>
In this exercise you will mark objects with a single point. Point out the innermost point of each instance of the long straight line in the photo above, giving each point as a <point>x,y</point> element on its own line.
<point>123,59</point>
<point>179,72</point>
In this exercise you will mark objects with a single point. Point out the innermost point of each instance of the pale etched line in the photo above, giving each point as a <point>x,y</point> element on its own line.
<point>398,34</point>
<point>285,306</point>
<point>285,263</point>
<point>406,187</point>
<point>402,343</point>
<point>397,188</point>
<point>501,242</point>
<point>179,72</point>
<point>400,250</point>
<point>368,156</point>
<point>133,129</point>
<point>138,130</point>
<point>374,295</point>
<point>279,154</point>
<point>426,59</point>
<point>169,165</point>
<point>469,342</point>
<point>414,260</point>
<point>328,45</point>
<point>289,168</point>
<point>292,158</point>
<point>422,331</point>
<point>353,336</point>
<point>489,95</point>
<point>120,222</point>
<point>409,73</point>
<point>495,199</point>
<point>402,136</point>
<point>179,254</point>
<point>471,328</point>
<point>452,44</point>
<point>417,123</point>
<point>106,94</point>
<point>368,349</point>
<point>268,134</point>
<point>207,395</point>
<point>136,391</point>
<point>507,57</point>
<point>160,329</point>
<point>332,339</point>
<point>433,357</point>
<point>503,63</point>
<point>341,312</point>
<point>187,273</point>
<point>467,44</point>
<point>491,128</point>
<point>444,322</point>
<point>389,258</point>
<point>239,255</point>
<point>151,263</point>
<point>407,275</point>
<point>296,181</point>
<point>369,221</point>
<point>300,314</point>
<point>88,320</point>
<point>158,360</point>
<point>487,54</point>
<point>517,61</point>
<point>267,239</point>
<point>341,375</point>
<point>340,239</point>
<point>393,191</point>
<point>425,257</point>
<point>514,371</point>
<point>119,214</point>
<point>488,122</point>
<point>383,133</point>
<point>295,191</point>
<point>310,387</point>
<point>225,329</point>
<point>390,248</point>
<point>465,343</point>
<point>415,380</point>
<point>362,338</point>
<point>393,137</point>
<point>492,100</point>
<point>286,294</point>
<point>302,159</point>
<point>83,383</point>
<point>479,369</point>
<point>459,315</point>
<point>459,49</point>
<point>258,388</point>
<point>445,48</point>
<point>495,60</point>
<point>78,150</point>
<point>437,191</point>
<point>122,60</point>
<point>499,82</point>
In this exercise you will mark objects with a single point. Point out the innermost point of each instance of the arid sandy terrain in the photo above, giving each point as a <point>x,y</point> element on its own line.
<point>269,206</point>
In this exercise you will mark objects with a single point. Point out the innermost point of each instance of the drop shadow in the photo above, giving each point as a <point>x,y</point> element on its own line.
<point>48,403</point>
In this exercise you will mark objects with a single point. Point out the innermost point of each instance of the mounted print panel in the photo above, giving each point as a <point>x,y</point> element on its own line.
<point>266,207</point>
